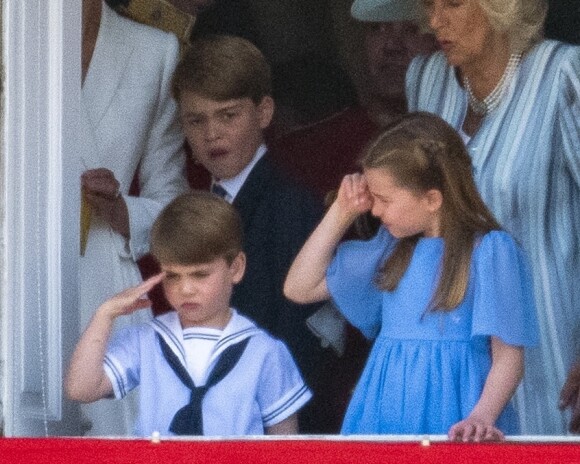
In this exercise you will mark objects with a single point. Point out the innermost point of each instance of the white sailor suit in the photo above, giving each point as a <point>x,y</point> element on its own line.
<point>263,388</point>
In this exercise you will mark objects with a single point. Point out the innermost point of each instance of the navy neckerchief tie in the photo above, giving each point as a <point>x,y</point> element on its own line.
<point>189,420</point>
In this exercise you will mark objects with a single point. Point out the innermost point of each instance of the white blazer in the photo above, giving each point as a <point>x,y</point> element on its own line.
<point>130,125</point>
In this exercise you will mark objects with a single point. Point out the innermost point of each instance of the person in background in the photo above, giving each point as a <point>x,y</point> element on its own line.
<point>563,21</point>
<point>515,99</point>
<point>181,18</point>
<point>203,368</point>
<point>190,19</point>
<point>129,126</point>
<point>443,291</point>
<point>320,154</point>
<point>223,89</point>
<point>175,16</point>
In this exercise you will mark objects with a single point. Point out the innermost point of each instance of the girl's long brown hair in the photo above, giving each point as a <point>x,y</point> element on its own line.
<point>423,152</point>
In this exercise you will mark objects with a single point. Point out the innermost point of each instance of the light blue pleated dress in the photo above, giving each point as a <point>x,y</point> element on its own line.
<point>526,165</point>
<point>426,370</point>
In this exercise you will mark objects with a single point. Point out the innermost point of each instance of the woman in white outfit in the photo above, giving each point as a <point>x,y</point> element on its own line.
<point>129,126</point>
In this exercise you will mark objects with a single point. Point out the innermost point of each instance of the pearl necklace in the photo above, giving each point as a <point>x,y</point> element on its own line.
<point>492,101</point>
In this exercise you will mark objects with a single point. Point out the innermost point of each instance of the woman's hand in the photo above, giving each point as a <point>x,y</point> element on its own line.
<point>570,397</point>
<point>101,190</point>
<point>475,429</point>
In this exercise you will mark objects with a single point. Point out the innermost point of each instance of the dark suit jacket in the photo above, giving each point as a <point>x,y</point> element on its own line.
<point>277,216</point>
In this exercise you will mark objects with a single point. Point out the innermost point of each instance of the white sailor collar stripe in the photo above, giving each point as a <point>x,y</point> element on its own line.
<point>169,328</point>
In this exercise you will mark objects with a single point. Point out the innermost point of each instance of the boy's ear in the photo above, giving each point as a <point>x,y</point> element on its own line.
<point>266,111</point>
<point>238,267</point>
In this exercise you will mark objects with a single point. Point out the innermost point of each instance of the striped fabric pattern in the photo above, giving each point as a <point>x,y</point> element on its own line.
<point>526,163</point>
<point>293,400</point>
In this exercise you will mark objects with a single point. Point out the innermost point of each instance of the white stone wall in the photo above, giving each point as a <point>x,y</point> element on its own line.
<point>2,203</point>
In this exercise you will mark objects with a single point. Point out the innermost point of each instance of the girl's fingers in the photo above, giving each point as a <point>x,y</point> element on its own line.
<point>498,435</point>
<point>481,432</point>
<point>361,182</point>
<point>360,191</point>
<point>470,432</point>
<point>453,434</point>
<point>458,431</point>
<point>492,434</point>
<point>350,190</point>
<point>353,192</point>
<point>467,431</point>
<point>487,433</point>
<point>353,184</point>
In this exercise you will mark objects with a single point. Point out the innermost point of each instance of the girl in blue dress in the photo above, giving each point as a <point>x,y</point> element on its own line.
<point>445,293</point>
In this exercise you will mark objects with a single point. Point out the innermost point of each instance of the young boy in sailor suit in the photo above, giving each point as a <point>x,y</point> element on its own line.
<point>203,369</point>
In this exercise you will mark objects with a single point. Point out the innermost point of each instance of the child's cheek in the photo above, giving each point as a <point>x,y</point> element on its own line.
<point>168,289</point>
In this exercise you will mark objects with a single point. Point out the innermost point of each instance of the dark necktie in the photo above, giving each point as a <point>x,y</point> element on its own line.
<point>189,420</point>
<point>218,190</point>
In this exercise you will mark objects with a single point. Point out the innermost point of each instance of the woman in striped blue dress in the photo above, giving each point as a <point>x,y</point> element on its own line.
<point>515,98</point>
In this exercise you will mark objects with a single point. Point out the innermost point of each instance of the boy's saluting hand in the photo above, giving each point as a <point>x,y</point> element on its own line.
<point>86,380</point>
<point>130,299</point>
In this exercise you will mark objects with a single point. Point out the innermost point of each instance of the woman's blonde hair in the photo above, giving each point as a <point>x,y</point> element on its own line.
<point>521,20</point>
<point>422,152</point>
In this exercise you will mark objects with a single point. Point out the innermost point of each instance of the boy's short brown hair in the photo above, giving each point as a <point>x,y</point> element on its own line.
<point>222,67</point>
<point>196,228</point>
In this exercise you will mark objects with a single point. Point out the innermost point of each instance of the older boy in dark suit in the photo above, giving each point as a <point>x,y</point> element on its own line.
<point>223,89</point>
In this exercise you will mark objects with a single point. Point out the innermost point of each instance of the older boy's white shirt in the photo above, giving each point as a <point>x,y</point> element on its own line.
<point>233,185</point>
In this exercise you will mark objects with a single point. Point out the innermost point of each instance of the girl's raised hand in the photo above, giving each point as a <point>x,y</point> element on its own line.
<point>474,429</point>
<point>130,299</point>
<point>353,196</point>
